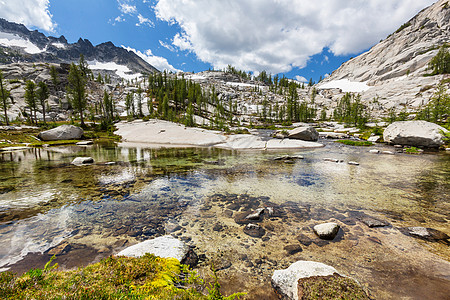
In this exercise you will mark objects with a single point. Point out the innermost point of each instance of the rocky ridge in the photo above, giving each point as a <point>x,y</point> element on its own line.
<point>394,69</point>
<point>40,48</point>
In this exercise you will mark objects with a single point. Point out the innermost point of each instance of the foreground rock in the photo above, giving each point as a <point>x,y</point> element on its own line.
<point>327,231</point>
<point>285,281</point>
<point>415,133</point>
<point>163,246</point>
<point>63,132</point>
<point>78,161</point>
<point>304,133</point>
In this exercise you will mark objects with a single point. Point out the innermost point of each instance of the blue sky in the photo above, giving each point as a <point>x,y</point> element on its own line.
<point>297,38</point>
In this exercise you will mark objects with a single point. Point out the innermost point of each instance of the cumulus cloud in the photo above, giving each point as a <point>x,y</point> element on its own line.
<point>277,35</point>
<point>33,13</point>
<point>167,46</point>
<point>158,62</point>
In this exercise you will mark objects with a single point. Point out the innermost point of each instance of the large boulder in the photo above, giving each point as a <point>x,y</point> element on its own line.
<point>63,132</point>
<point>304,133</point>
<point>327,231</point>
<point>415,133</point>
<point>163,246</point>
<point>285,281</point>
<point>314,280</point>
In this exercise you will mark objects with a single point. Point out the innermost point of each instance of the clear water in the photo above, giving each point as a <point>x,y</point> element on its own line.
<point>196,194</point>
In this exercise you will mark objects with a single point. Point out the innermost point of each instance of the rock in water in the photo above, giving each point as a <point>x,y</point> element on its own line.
<point>428,234</point>
<point>415,133</point>
<point>254,230</point>
<point>285,281</point>
<point>63,132</point>
<point>78,161</point>
<point>327,231</point>
<point>304,133</point>
<point>163,246</point>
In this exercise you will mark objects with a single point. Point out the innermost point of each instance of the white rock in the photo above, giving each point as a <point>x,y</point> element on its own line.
<point>327,231</point>
<point>308,133</point>
<point>374,138</point>
<point>285,281</point>
<point>353,163</point>
<point>63,132</point>
<point>78,161</point>
<point>388,152</point>
<point>164,246</point>
<point>415,133</point>
<point>375,151</point>
<point>85,143</point>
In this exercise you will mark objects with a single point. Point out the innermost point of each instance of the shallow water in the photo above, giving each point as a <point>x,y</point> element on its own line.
<point>198,194</point>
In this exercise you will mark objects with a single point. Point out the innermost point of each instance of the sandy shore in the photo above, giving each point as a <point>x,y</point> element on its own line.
<point>159,133</point>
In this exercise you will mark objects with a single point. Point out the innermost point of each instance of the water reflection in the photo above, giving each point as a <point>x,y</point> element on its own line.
<point>136,193</point>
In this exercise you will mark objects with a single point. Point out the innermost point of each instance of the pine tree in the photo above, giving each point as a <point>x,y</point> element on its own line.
<point>54,76</point>
<point>30,99</point>
<point>4,97</point>
<point>42,95</point>
<point>77,90</point>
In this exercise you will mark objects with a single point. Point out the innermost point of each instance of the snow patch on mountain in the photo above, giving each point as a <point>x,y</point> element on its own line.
<point>345,85</point>
<point>122,71</point>
<point>13,40</point>
<point>59,45</point>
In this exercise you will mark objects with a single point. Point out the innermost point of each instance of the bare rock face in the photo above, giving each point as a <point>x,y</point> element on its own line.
<point>393,69</point>
<point>415,133</point>
<point>304,133</point>
<point>63,132</point>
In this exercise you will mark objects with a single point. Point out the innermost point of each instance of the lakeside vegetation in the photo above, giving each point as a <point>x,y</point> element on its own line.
<point>147,277</point>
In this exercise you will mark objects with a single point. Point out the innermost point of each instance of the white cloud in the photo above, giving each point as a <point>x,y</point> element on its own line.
<point>158,62</point>
<point>33,13</point>
<point>127,8</point>
<point>167,46</point>
<point>277,35</point>
<point>300,78</point>
<point>144,21</point>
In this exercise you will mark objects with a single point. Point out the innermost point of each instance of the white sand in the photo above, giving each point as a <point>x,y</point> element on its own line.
<point>158,133</point>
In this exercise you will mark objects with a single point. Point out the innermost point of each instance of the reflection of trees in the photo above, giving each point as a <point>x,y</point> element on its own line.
<point>433,184</point>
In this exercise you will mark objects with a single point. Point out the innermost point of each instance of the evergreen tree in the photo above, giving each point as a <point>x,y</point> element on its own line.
<point>139,102</point>
<point>42,95</point>
<point>4,98</point>
<point>54,76</point>
<point>129,105</point>
<point>84,67</point>
<point>76,90</point>
<point>30,99</point>
<point>440,64</point>
<point>189,118</point>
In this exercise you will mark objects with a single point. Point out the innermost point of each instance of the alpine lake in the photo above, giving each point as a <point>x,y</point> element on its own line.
<point>202,195</point>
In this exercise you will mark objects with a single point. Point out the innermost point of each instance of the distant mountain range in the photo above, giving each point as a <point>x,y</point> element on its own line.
<point>18,44</point>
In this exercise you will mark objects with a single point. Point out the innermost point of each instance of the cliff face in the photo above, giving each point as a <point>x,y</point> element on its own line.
<point>394,69</point>
<point>18,44</point>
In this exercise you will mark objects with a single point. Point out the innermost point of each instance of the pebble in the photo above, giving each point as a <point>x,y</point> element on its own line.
<point>374,151</point>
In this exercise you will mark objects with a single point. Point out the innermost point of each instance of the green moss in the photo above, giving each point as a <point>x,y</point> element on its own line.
<point>330,287</point>
<point>147,277</point>
<point>355,143</point>
<point>412,150</point>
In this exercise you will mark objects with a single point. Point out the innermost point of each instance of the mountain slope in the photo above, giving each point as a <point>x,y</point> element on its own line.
<point>18,44</point>
<point>394,69</point>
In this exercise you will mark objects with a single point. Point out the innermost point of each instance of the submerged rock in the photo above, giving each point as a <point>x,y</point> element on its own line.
<point>327,231</point>
<point>373,222</point>
<point>63,132</point>
<point>163,246</point>
<point>415,133</point>
<point>254,230</point>
<point>428,234</point>
<point>78,161</point>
